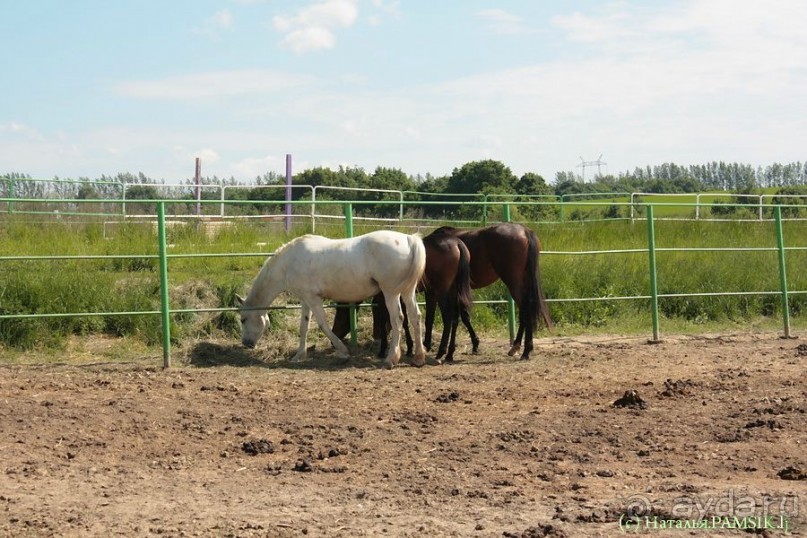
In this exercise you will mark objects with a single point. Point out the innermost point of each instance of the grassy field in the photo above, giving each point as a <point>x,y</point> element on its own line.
<point>131,284</point>
<point>674,206</point>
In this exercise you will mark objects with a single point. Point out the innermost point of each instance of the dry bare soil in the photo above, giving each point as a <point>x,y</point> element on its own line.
<point>237,444</point>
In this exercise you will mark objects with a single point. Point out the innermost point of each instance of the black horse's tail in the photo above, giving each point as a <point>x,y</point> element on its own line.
<point>462,281</point>
<point>535,303</point>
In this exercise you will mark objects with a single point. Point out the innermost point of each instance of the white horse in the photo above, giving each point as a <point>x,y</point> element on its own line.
<point>314,268</point>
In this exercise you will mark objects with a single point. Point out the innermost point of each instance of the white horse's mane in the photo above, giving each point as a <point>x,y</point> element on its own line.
<point>270,261</point>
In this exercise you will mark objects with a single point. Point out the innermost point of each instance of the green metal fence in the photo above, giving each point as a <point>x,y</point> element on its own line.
<point>165,312</point>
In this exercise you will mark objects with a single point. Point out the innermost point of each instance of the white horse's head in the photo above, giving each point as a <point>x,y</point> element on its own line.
<point>253,322</point>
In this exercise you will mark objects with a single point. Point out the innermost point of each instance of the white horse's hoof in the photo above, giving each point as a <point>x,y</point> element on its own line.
<point>419,359</point>
<point>392,360</point>
<point>299,357</point>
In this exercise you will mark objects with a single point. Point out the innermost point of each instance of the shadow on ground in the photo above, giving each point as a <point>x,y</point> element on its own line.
<point>211,355</point>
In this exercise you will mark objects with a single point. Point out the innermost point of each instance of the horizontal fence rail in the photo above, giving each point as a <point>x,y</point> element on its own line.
<point>186,197</point>
<point>348,215</point>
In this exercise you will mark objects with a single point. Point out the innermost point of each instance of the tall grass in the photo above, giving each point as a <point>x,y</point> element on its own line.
<point>130,284</point>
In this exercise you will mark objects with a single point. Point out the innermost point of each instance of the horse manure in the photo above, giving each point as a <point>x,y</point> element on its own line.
<point>452,396</point>
<point>303,466</point>
<point>677,388</point>
<point>792,473</point>
<point>261,446</point>
<point>760,423</point>
<point>631,399</point>
<point>332,453</point>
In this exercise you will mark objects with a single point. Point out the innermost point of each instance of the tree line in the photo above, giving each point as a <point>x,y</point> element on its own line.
<point>484,177</point>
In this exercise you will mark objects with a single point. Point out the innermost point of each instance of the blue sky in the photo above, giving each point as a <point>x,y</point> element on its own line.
<point>102,87</point>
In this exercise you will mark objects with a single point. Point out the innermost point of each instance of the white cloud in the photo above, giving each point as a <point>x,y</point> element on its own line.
<point>252,167</point>
<point>207,155</point>
<point>215,24</point>
<point>212,84</point>
<point>309,38</point>
<point>503,22</point>
<point>312,27</point>
<point>592,29</point>
<point>17,130</point>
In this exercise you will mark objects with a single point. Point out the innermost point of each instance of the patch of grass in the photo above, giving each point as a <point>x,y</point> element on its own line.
<point>130,284</point>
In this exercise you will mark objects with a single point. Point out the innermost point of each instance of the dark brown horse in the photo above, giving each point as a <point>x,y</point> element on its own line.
<point>509,252</point>
<point>446,283</point>
<point>505,251</point>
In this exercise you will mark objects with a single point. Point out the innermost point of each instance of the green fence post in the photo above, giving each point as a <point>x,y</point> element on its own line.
<point>651,249</point>
<point>780,244</point>
<point>349,233</point>
<point>164,308</point>
<point>511,305</point>
<point>485,210</point>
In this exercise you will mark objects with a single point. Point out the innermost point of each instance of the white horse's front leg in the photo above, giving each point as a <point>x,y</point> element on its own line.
<point>413,313</point>
<point>305,317</point>
<point>396,322</point>
<point>322,321</point>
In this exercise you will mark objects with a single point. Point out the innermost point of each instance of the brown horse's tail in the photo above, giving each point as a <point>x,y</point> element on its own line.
<point>462,281</point>
<point>535,300</point>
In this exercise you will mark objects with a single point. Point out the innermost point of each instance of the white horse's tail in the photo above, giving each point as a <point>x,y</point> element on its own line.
<point>418,264</point>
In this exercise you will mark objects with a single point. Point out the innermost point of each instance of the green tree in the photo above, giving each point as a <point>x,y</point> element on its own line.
<point>482,177</point>
<point>528,188</point>
<point>141,192</point>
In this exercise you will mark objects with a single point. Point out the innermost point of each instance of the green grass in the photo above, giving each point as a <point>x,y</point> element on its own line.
<point>131,284</point>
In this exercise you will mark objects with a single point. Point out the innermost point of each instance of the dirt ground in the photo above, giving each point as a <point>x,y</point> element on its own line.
<point>236,444</point>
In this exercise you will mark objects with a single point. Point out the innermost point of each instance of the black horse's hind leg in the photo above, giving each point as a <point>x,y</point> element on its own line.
<point>431,307</point>
<point>452,342</point>
<point>452,320</point>
<point>380,323</point>
<point>515,345</point>
<point>447,312</point>
<point>466,320</point>
<point>407,334</point>
<point>527,342</point>
<point>525,329</point>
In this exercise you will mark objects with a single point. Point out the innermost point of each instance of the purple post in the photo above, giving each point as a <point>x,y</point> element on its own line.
<point>288,192</point>
<point>198,178</point>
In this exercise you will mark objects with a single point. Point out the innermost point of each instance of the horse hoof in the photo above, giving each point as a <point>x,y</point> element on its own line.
<point>299,357</point>
<point>513,350</point>
<point>392,361</point>
<point>419,360</point>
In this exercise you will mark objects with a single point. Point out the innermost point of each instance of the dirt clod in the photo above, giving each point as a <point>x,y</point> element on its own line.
<point>792,473</point>
<point>260,446</point>
<point>448,397</point>
<point>632,400</point>
<point>677,388</point>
